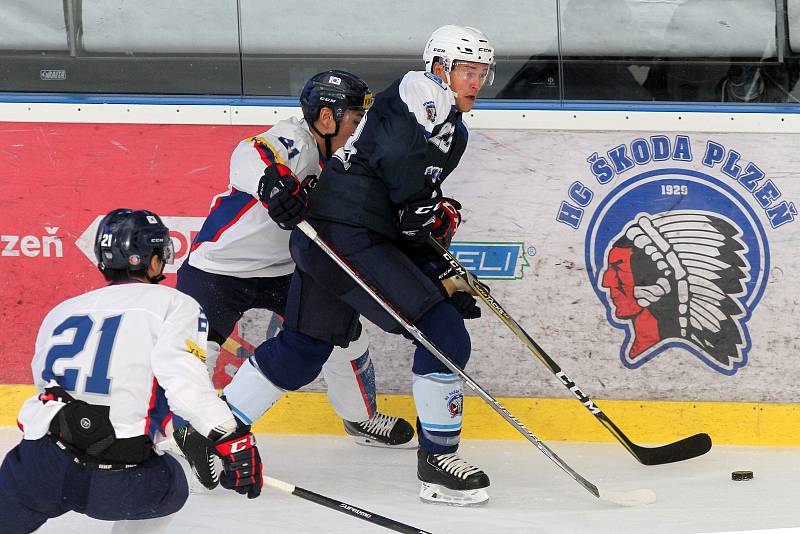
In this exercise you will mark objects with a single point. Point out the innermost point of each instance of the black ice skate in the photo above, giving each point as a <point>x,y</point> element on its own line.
<point>447,479</point>
<point>195,448</point>
<point>382,431</point>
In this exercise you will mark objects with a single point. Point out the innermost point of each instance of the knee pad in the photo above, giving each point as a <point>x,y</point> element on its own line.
<point>444,327</point>
<point>292,360</point>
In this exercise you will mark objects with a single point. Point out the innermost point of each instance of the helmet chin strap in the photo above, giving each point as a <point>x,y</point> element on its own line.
<point>157,278</point>
<point>446,72</point>
<point>327,138</point>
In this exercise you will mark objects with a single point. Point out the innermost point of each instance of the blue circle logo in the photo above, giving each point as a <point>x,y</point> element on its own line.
<point>678,259</point>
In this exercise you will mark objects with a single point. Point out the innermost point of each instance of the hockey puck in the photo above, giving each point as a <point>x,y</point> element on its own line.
<point>742,475</point>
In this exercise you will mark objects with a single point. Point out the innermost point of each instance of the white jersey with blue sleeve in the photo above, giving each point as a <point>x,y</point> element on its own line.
<point>133,347</point>
<point>238,238</point>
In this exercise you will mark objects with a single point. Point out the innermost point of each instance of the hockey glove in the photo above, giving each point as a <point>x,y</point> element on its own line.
<point>283,194</point>
<point>448,217</point>
<point>465,304</point>
<point>241,463</point>
<point>418,217</point>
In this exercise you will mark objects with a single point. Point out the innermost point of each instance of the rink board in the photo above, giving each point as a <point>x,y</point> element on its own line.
<point>644,422</point>
<point>548,196</point>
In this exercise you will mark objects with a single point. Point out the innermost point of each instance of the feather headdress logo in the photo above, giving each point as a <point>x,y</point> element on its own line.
<point>678,270</point>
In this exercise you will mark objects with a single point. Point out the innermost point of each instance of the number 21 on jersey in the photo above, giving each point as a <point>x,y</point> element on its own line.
<point>97,380</point>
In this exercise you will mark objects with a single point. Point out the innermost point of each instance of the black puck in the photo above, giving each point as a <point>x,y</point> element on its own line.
<point>742,475</point>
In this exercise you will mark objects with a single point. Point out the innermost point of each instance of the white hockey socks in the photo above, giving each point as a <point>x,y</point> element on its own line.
<point>250,394</point>
<point>439,398</point>
<point>350,377</point>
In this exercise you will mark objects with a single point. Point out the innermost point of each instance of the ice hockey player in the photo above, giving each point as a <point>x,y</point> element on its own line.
<point>105,364</point>
<point>376,202</point>
<point>240,258</point>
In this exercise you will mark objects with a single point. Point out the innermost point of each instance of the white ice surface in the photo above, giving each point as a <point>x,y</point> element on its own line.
<point>528,493</point>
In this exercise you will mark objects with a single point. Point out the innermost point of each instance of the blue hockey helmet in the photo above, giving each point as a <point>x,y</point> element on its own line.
<point>127,240</point>
<point>335,89</point>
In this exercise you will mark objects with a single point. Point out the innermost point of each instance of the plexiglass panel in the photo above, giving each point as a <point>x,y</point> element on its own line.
<point>380,41</point>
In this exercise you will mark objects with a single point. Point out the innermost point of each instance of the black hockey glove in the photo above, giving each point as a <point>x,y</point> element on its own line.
<point>418,217</point>
<point>448,217</point>
<point>443,275</point>
<point>241,463</point>
<point>283,194</point>
<point>465,304</point>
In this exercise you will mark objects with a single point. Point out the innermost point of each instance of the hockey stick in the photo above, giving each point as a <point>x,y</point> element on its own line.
<point>169,445</point>
<point>631,498</point>
<point>677,451</point>
<point>343,507</point>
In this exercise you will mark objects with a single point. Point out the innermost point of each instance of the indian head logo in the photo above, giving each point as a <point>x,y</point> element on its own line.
<point>678,259</point>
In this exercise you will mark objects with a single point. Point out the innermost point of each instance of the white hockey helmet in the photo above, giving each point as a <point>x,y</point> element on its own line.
<point>459,43</point>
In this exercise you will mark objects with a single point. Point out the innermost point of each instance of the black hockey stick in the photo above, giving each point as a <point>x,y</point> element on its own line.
<point>683,449</point>
<point>343,507</point>
<point>630,498</point>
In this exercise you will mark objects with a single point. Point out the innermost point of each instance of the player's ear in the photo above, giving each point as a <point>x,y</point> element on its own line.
<point>325,122</point>
<point>154,269</point>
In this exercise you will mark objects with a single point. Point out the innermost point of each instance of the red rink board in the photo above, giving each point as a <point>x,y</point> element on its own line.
<point>55,175</point>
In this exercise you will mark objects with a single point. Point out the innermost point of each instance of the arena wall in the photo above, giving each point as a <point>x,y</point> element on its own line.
<point>549,195</point>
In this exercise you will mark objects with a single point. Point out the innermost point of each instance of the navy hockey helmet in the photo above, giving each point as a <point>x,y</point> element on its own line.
<point>127,240</point>
<point>335,89</point>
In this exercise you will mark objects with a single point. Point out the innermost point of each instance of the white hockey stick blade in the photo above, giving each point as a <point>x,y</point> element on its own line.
<point>638,497</point>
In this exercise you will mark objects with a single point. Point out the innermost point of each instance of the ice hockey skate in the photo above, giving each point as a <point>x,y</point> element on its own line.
<point>447,479</point>
<point>195,450</point>
<point>382,430</point>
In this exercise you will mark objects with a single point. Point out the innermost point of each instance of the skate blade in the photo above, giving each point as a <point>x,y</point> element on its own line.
<point>371,442</point>
<point>438,494</point>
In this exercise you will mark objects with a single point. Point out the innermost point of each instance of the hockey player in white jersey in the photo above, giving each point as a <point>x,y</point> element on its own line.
<point>106,364</point>
<point>240,258</point>
<point>376,203</point>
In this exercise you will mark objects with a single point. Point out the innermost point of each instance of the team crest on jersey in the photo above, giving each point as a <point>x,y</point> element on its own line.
<point>430,110</point>
<point>677,256</point>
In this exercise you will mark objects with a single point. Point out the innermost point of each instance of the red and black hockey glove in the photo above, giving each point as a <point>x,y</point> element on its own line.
<point>241,463</point>
<point>284,195</point>
<point>448,217</point>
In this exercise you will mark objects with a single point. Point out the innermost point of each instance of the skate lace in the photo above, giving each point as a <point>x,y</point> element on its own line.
<point>455,465</point>
<point>380,424</point>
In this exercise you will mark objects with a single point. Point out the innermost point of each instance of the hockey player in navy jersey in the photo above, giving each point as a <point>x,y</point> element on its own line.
<point>376,203</point>
<point>240,258</point>
<point>105,365</point>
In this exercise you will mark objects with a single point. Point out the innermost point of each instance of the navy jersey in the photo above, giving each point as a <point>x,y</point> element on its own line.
<point>411,137</point>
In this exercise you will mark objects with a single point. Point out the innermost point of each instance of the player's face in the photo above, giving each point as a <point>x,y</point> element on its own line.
<point>618,278</point>
<point>466,80</point>
<point>346,128</point>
